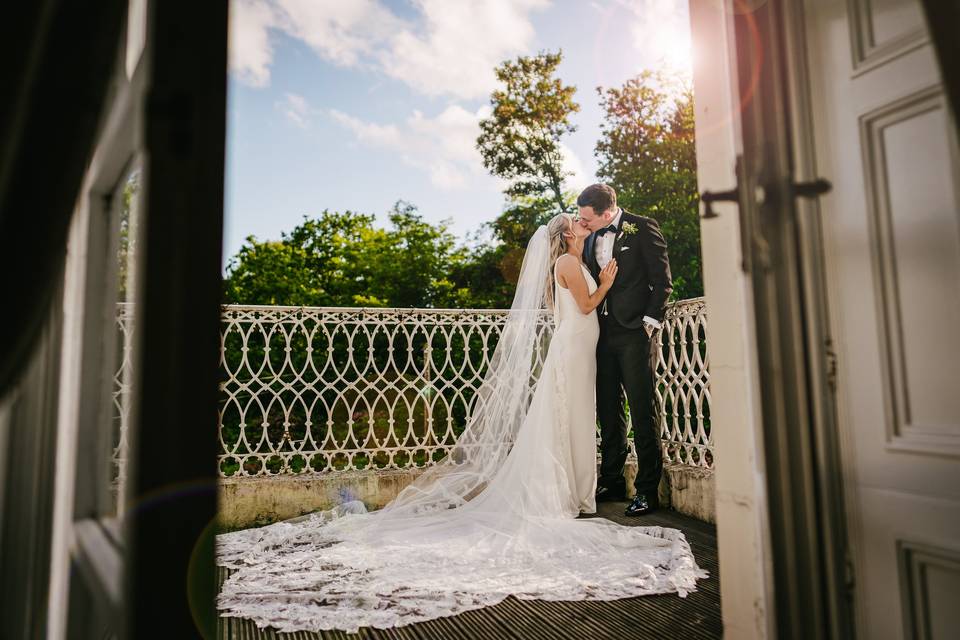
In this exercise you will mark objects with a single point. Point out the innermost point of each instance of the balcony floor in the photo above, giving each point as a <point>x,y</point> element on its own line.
<point>663,616</point>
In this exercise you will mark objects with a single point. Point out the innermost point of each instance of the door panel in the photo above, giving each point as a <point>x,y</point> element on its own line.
<point>884,136</point>
<point>931,584</point>
<point>909,172</point>
<point>880,29</point>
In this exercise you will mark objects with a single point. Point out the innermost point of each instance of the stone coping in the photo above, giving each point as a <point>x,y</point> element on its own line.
<point>255,501</point>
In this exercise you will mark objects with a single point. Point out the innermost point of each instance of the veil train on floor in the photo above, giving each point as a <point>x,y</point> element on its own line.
<point>491,520</point>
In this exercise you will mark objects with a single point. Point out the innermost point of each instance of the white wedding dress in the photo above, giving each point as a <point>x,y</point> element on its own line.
<point>453,542</point>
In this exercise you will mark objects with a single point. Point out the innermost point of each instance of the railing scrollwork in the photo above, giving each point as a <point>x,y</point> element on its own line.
<point>318,390</point>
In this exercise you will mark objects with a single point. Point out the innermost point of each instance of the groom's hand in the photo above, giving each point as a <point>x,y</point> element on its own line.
<point>650,328</point>
<point>609,273</point>
<point>653,350</point>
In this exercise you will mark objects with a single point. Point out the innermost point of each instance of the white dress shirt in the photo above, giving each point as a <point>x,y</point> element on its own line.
<point>604,248</point>
<point>604,252</point>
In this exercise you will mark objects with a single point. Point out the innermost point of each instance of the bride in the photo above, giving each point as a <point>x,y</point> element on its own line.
<point>498,516</point>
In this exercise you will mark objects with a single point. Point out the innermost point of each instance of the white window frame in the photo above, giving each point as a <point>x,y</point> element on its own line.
<point>83,537</point>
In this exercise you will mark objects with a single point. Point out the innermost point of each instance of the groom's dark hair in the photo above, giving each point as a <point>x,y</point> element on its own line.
<point>599,196</point>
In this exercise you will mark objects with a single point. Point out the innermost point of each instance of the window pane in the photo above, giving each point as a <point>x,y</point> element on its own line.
<point>125,206</point>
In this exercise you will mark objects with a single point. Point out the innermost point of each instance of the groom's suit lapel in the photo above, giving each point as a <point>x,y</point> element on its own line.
<point>591,256</point>
<point>621,235</point>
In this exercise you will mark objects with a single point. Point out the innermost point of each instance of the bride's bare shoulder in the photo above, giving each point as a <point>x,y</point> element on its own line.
<point>565,261</point>
<point>567,268</point>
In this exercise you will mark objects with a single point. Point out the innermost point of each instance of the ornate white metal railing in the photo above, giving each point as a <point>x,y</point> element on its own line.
<point>683,385</point>
<point>325,389</point>
<point>122,383</point>
<point>309,390</point>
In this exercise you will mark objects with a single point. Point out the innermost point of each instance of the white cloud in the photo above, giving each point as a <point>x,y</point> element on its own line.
<point>370,133</point>
<point>459,45</point>
<point>296,109</point>
<point>451,49</point>
<point>250,50</point>
<point>343,32</point>
<point>442,146</point>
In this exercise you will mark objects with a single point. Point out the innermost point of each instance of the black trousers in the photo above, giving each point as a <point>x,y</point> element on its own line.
<point>624,374</point>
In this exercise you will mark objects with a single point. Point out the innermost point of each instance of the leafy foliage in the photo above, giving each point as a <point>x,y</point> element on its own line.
<point>486,279</point>
<point>127,245</point>
<point>520,140</point>
<point>342,259</point>
<point>646,152</point>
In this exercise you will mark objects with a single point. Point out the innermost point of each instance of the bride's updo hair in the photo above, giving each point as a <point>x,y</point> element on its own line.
<point>557,229</point>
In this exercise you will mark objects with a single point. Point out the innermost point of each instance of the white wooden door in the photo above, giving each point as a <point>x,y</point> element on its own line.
<point>885,137</point>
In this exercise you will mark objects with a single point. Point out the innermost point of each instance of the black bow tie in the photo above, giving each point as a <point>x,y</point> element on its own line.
<point>611,229</point>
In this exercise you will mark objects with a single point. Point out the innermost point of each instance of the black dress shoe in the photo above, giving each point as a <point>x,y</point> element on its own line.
<point>642,504</point>
<point>606,494</point>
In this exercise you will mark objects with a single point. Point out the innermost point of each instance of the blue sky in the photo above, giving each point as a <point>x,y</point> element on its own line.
<point>355,104</point>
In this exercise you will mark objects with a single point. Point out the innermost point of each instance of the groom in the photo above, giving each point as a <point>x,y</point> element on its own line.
<point>629,316</point>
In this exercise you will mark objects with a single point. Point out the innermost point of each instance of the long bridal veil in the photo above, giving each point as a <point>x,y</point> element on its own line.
<point>499,405</point>
<point>492,519</point>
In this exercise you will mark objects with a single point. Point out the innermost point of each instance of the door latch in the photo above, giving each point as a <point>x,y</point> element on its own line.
<point>811,189</point>
<point>709,197</point>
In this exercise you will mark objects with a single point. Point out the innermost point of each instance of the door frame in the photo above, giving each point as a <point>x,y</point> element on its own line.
<point>743,529</point>
<point>780,506</point>
<point>837,573</point>
<point>812,575</point>
<point>171,527</point>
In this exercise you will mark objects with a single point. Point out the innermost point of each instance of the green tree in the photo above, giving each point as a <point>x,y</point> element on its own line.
<point>487,276</point>
<point>520,140</point>
<point>319,263</point>
<point>414,262</point>
<point>343,259</point>
<point>646,152</point>
<point>126,249</point>
<point>273,272</point>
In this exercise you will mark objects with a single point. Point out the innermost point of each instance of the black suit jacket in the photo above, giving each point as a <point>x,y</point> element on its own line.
<point>643,282</point>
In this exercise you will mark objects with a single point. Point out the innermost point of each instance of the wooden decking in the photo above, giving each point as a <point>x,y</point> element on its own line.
<point>666,616</point>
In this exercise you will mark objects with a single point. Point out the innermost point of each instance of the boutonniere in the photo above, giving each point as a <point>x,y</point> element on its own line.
<point>629,228</point>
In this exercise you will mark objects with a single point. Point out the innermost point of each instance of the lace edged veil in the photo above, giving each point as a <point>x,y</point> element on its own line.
<point>500,403</point>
